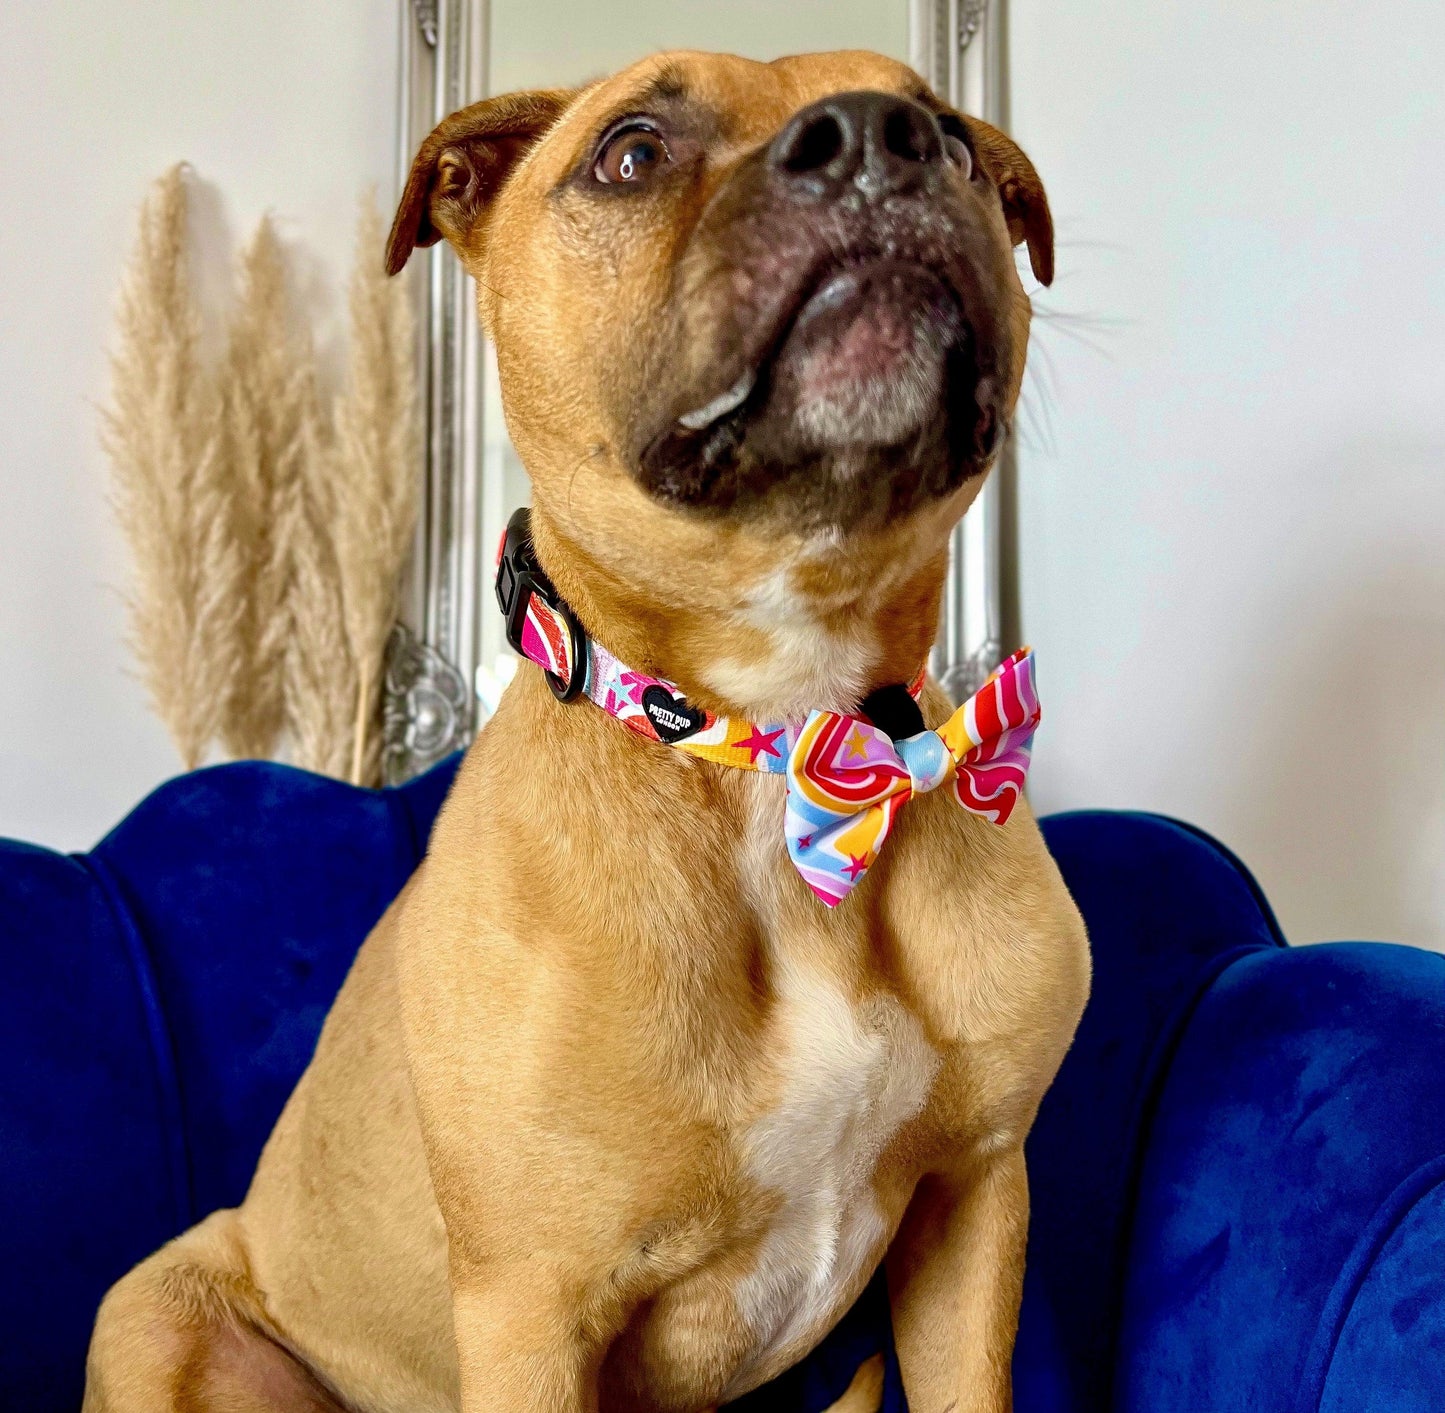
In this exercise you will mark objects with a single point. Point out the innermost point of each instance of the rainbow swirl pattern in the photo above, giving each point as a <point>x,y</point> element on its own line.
<point>847,780</point>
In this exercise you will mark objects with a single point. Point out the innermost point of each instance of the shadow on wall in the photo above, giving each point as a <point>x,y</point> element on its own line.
<point>1338,797</point>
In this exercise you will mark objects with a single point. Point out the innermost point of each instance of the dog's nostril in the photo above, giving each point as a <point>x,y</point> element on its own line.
<point>876,143</point>
<point>814,145</point>
<point>904,135</point>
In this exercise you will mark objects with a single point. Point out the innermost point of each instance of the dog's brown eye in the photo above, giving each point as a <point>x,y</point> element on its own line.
<point>632,155</point>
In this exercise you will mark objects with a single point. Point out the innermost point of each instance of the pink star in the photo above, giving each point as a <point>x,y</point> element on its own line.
<point>855,866</point>
<point>760,743</point>
<point>806,842</point>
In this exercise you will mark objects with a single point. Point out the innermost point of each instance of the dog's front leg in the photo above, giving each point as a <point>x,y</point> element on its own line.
<point>955,1279</point>
<point>521,1349</point>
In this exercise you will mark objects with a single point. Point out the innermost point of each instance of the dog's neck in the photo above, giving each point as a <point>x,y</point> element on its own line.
<point>817,631</point>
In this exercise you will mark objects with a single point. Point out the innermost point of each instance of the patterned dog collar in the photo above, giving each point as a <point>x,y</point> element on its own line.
<point>847,775</point>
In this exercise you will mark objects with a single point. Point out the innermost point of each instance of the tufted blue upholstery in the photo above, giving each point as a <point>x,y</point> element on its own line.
<point>1238,1177</point>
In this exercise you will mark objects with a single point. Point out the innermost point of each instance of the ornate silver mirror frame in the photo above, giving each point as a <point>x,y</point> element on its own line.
<point>430,705</point>
<point>446,660</point>
<point>959,46</point>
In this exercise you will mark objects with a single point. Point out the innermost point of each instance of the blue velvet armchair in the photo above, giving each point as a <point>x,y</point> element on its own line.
<point>1238,1178</point>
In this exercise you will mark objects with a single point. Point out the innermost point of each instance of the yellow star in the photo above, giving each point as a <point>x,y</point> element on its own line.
<point>856,745</point>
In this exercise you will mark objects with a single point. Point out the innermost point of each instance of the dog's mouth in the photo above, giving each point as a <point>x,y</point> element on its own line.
<point>852,322</point>
<point>860,361</point>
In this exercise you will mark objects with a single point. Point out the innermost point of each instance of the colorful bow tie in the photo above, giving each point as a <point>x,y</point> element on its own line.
<point>846,778</point>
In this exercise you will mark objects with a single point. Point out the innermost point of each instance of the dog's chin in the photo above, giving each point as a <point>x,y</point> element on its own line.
<point>864,366</point>
<point>868,402</point>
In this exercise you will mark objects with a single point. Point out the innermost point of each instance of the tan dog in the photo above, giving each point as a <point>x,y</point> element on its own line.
<point>611,1112</point>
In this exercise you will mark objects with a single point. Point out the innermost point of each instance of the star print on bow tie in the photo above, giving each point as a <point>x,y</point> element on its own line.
<point>847,780</point>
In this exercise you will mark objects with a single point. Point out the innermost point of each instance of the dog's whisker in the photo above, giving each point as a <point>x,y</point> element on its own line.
<point>1084,341</point>
<point>1076,243</point>
<point>592,454</point>
<point>1078,328</point>
<point>1037,399</point>
<point>1033,423</point>
<point>1080,318</point>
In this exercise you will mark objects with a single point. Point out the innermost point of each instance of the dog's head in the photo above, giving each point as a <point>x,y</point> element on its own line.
<point>750,320</point>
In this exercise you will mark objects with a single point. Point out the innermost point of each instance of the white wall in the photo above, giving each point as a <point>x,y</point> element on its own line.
<point>279,106</point>
<point>1233,516</point>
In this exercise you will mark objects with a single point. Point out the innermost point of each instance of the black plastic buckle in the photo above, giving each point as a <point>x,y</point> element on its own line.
<point>519,576</point>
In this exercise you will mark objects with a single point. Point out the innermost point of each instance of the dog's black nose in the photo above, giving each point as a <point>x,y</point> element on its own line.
<point>878,142</point>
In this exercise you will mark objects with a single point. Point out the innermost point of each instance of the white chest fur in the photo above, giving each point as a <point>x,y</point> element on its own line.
<point>852,1075</point>
<point>805,667</point>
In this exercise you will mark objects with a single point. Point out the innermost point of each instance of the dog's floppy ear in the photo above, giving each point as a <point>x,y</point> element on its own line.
<point>462,165</point>
<point>1025,207</point>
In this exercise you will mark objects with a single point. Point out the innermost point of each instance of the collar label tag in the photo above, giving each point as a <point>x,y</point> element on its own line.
<point>671,717</point>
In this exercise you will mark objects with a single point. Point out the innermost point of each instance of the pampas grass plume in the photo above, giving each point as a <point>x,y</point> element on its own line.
<point>374,468</point>
<point>270,413</point>
<point>319,677</point>
<point>160,431</point>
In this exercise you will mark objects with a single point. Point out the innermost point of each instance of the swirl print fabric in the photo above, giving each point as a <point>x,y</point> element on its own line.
<point>847,780</point>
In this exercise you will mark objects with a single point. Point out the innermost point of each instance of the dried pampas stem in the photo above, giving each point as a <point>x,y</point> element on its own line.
<point>270,412</point>
<point>318,674</point>
<point>374,472</point>
<point>160,432</point>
